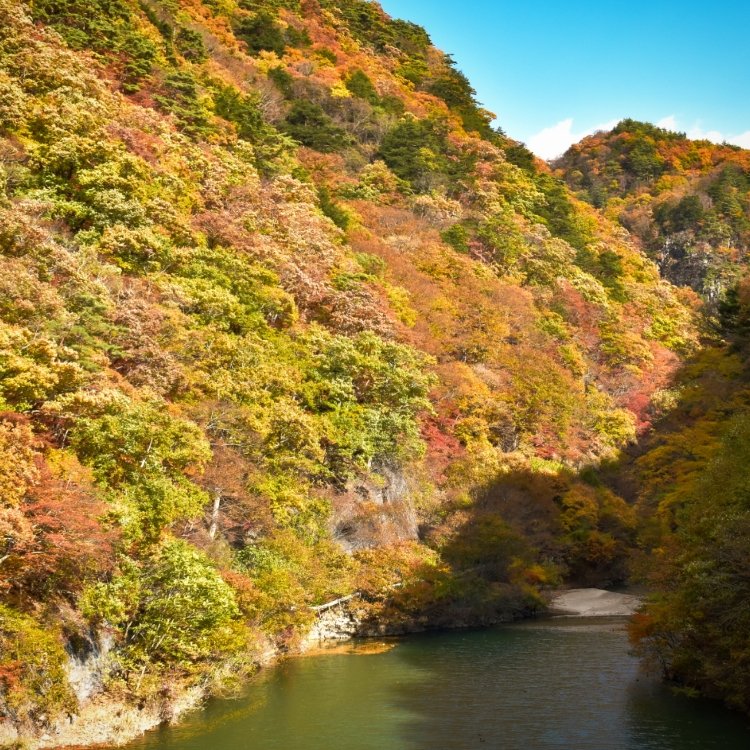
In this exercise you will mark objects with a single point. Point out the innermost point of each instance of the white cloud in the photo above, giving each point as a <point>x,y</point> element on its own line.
<point>697,133</point>
<point>668,123</point>
<point>555,140</point>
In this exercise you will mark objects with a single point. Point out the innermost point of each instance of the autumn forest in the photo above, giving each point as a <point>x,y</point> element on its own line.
<point>286,317</point>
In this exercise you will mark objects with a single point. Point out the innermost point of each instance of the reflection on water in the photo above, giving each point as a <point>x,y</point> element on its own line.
<point>544,685</point>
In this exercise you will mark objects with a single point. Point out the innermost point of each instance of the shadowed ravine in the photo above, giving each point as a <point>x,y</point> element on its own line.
<point>542,685</point>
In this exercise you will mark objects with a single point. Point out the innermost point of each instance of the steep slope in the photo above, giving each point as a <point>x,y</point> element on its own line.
<point>688,202</point>
<point>689,482</point>
<point>282,318</point>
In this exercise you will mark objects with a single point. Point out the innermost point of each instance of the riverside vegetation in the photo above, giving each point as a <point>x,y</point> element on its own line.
<point>688,204</point>
<point>283,317</point>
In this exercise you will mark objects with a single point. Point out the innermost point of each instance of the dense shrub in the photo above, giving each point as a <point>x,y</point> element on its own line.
<point>33,684</point>
<point>311,126</point>
<point>695,626</point>
<point>172,609</point>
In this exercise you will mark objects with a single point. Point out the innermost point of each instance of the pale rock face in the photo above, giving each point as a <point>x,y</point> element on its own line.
<point>335,624</point>
<point>88,668</point>
<point>8,734</point>
<point>375,513</point>
<point>687,262</point>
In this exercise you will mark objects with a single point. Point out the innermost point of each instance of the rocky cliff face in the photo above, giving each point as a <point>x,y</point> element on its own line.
<point>89,664</point>
<point>376,512</point>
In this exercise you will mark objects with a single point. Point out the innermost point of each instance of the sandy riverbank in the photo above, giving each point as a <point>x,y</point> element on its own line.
<point>593,603</point>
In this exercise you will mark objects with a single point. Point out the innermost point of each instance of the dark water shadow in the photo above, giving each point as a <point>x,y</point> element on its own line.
<point>551,686</point>
<point>542,685</point>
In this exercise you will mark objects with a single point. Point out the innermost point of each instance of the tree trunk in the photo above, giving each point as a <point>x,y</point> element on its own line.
<point>214,527</point>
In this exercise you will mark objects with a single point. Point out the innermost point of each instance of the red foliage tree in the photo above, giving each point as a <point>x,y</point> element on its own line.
<point>54,541</point>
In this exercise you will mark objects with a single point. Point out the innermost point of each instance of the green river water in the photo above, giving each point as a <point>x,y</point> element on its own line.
<point>563,684</point>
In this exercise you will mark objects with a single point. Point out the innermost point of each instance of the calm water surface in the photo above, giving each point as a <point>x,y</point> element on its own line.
<point>544,685</point>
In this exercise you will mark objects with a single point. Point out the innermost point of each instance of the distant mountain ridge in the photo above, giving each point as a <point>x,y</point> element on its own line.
<point>687,202</point>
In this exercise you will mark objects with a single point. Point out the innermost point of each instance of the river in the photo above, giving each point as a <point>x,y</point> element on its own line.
<point>560,684</point>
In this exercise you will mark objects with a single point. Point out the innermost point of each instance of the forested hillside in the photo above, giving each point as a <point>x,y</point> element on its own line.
<point>689,482</point>
<point>688,204</point>
<point>283,317</point>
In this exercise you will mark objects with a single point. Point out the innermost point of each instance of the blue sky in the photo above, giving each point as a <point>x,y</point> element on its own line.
<point>555,70</point>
